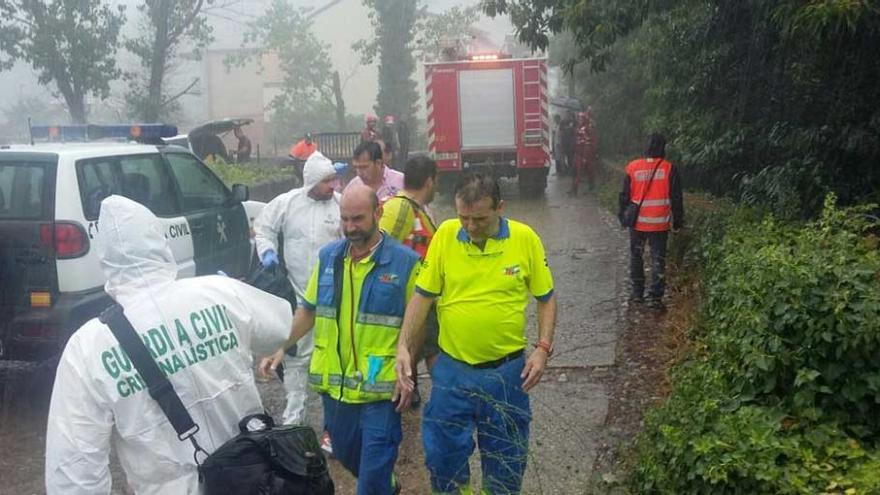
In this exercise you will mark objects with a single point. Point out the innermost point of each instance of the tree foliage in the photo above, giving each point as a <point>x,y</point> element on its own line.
<point>394,23</point>
<point>166,26</point>
<point>435,31</point>
<point>773,102</point>
<point>306,100</point>
<point>71,44</point>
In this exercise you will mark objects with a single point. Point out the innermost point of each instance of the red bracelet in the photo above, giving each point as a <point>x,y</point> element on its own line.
<point>546,346</point>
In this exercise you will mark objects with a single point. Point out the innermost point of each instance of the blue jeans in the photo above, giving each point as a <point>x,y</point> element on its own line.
<point>492,401</point>
<point>365,440</point>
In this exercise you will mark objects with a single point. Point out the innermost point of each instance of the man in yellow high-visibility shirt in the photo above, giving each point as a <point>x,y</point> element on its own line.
<point>405,217</point>
<point>481,268</point>
<point>355,301</point>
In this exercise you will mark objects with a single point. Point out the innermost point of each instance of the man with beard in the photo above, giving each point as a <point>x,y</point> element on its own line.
<point>355,300</point>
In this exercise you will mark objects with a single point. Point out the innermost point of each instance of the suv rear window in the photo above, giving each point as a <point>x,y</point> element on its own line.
<point>142,178</point>
<point>22,186</point>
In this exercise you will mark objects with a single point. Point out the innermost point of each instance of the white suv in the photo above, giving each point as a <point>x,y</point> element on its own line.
<point>50,277</point>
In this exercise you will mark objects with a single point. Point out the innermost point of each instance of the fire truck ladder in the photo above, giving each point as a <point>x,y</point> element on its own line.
<point>536,114</point>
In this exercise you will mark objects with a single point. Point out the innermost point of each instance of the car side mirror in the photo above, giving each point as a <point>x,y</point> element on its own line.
<point>240,193</point>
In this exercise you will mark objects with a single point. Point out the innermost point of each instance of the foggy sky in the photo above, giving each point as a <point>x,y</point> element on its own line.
<point>228,24</point>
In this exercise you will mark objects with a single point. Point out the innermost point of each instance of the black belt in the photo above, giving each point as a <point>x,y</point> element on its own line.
<point>492,364</point>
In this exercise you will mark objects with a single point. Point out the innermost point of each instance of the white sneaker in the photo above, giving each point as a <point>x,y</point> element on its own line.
<point>326,446</point>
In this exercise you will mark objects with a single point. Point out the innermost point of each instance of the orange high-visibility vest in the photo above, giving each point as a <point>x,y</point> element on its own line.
<point>656,212</point>
<point>423,230</point>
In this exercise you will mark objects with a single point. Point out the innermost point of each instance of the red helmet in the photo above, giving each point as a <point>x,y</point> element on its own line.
<point>370,118</point>
<point>389,119</point>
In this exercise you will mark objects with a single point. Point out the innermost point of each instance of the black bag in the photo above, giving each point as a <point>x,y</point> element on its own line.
<point>273,279</point>
<point>630,214</point>
<point>270,460</point>
<point>284,460</point>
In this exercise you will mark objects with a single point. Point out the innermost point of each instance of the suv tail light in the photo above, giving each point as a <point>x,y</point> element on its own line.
<point>68,240</point>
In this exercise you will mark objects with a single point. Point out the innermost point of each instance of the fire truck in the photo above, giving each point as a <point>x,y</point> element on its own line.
<point>489,112</point>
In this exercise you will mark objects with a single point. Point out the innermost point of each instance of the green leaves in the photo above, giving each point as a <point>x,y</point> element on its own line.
<point>785,395</point>
<point>71,44</point>
<point>305,101</point>
<point>165,26</point>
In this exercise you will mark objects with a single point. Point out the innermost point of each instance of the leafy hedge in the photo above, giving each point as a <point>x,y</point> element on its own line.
<point>249,174</point>
<point>782,394</point>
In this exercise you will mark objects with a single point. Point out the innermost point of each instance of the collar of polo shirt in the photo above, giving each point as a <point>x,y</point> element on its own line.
<point>503,231</point>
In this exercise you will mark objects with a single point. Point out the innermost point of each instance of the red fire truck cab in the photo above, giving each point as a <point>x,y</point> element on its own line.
<point>490,113</point>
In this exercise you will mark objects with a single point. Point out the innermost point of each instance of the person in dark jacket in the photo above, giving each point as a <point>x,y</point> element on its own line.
<point>653,186</point>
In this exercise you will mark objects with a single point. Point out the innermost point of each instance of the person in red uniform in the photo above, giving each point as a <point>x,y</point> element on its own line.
<point>370,133</point>
<point>591,150</point>
<point>654,184</point>
<point>582,150</point>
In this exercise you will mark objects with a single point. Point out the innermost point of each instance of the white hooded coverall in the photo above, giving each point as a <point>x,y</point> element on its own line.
<point>305,224</point>
<point>200,331</point>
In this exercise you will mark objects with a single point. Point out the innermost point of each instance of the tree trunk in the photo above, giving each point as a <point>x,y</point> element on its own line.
<point>77,108</point>
<point>75,102</point>
<point>340,103</point>
<point>160,14</point>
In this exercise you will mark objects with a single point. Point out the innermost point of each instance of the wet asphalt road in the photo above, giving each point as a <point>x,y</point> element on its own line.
<point>587,253</point>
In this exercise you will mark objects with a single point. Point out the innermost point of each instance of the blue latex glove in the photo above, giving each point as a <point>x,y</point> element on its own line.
<point>340,167</point>
<point>374,366</point>
<point>269,258</point>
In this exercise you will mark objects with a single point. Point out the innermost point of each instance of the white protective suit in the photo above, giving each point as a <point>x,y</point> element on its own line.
<point>305,225</point>
<point>202,332</point>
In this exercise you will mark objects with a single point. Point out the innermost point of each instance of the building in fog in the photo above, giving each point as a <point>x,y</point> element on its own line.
<point>247,91</point>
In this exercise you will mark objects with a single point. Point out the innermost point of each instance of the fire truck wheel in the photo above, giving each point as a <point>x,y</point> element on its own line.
<point>532,182</point>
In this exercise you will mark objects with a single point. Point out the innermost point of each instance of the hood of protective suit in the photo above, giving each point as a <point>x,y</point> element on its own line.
<point>134,252</point>
<point>317,168</point>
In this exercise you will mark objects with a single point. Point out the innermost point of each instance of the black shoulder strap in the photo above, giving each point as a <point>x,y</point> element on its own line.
<point>648,188</point>
<point>418,209</point>
<point>161,390</point>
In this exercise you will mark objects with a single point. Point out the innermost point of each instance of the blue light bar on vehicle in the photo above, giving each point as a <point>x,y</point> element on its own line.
<point>91,132</point>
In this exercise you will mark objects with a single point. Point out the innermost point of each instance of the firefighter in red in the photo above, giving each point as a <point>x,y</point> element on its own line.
<point>370,133</point>
<point>592,148</point>
<point>584,152</point>
<point>653,183</point>
<point>405,217</point>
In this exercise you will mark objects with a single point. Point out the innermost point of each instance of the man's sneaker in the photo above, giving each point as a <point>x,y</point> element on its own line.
<point>326,446</point>
<point>656,304</point>
<point>636,299</point>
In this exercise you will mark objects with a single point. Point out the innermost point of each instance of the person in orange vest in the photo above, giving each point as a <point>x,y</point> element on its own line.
<point>405,216</point>
<point>650,206</point>
<point>304,148</point>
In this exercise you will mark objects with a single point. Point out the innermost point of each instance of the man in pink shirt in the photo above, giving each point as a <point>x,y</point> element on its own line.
<point>372,171</point>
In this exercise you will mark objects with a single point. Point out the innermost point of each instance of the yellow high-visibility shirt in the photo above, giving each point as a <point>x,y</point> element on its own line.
<point>483,294</point>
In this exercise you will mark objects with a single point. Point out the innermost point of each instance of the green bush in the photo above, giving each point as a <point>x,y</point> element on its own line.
<point>794,315</point>
<point>783,392</point>
<point>703,441</point>
<point>249,174</point>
